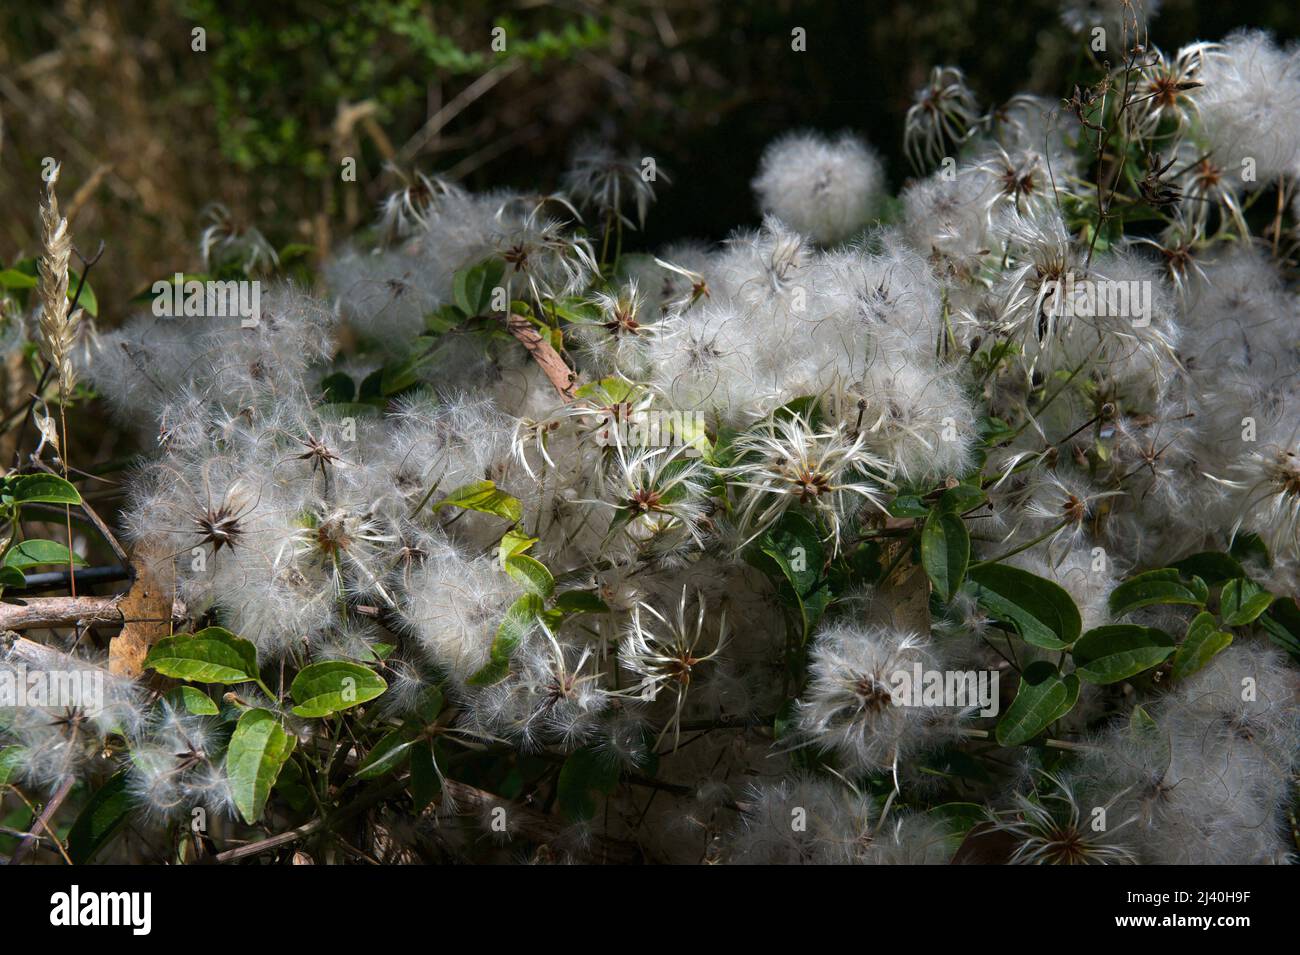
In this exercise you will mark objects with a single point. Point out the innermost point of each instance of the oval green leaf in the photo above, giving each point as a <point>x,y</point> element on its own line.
<point>483,496</point>
<point>333,686</point>
<point>519,619</point>
<point>424,775</point>
<point>1212,566</point>
<point>11,757</point>
<point>1164,586</point>
<point>1282,622</point>
<point>213,655</point>
<point>531,574</point>
<point>41,489</point>
<point>962,498</point>
<point>389,753</point>
<point>192,700</point>
<point>1110,654</point>
<point>1204,639</point>
<point>945,551</point>
<point>586,773</point>
<point>1043,697</point>
<point>580,601</point>
<point>257,752</point>
<point>41,553</point>
<point>101,819</point>
<point>1041,611</point>
<point>1242,601</point>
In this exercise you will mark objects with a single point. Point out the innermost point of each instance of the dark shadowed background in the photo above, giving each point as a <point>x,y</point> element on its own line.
<point>150,131</point>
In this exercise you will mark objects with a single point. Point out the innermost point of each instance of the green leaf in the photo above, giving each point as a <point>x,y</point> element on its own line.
<point>519,619</point>
<point>585,773</point>
<point>192,700</point>
<point>994,430</point>
<point>483,496</point>
<point>88,301</point>
<point>862,565</point>
<point>12,577</point>
<point>807,407</point>
<point>1041,611</point>
<point>1282,622</point>
<point>814,605</point>
<point>334,685</point>
<point>472,287</point>
<point>1163,586</point>
<point>1043,698</point>
<point>796,548</point>
<point>1212,566</point>
<point>443,320</point>
<point>1110,654</point>
<point>609,391</point>
<point>1141,722</point>
<point>1204,639</point>
<point>339,388</point>
<point>40,553</point>
<point>962,498</point>
<point>1241,601</point>
<point>945,551</point>
<point>531,574</point>
<point>213,655</point>
<point>959,818</point>
<point>907,505</point>
<point>514,541</point>
<point>577,310</point>
<point>404,373</point>
<point>100,820</point>
<point>12,278</point>
<point>11,757</point>
<point>580,601</point>
<point>1250,547</point>
<point>292,787</point>
<point>1144,729</point>
<point>40,489</point>
<point>257,752</point>
<point>424,775</point>
<point>389,753</point>
<point>296,250</point>
<point>429,704</point>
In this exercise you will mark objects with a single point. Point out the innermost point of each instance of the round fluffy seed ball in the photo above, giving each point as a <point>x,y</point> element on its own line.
<point>823,188</point>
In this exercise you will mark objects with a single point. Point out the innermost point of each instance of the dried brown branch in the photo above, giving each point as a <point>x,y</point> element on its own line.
<point>560,374</point>
<point>43,613</point>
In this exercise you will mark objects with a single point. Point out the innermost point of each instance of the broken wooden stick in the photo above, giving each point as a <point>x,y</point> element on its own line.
<point>38,613</point>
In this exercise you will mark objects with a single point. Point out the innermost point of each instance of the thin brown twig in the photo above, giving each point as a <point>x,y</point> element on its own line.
<point>94,518</point>
<point>452,109</point>
<point>43,822</point>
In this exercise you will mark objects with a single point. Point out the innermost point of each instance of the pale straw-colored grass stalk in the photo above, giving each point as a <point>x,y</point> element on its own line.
<point>58,325</point>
